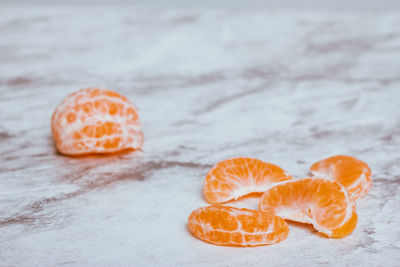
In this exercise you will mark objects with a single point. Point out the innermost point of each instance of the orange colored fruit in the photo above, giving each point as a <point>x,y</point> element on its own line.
<point>234,178</point>
<point>325,204</point>
<point>353,173</point>
<point>92,121</point>
<point>229,226</point>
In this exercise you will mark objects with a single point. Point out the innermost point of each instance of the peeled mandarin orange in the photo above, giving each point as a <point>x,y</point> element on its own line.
<point>92,121</point>
<point>229,226</point>
<point>234,178</point>
<point>325,204</point>
<point>353,173</point>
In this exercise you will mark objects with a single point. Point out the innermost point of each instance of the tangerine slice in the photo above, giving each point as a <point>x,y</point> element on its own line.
<point>237,177</point>
<point>353,173</point>
<point>325,204</point>
<point>229,226</point>
<point>92,121</point>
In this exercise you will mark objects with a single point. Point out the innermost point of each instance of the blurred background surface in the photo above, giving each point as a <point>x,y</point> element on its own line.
<point>372,5</point>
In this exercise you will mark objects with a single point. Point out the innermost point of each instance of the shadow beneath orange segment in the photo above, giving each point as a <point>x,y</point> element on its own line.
<point>101,155</point>
<point>251,196</point>
<point>306,227</point>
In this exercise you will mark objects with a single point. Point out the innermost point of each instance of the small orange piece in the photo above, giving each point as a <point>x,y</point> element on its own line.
<point>353,173</point>
<point>229,226</point>
<point>325,204</point>
<point>234,178</point>
<point>92,121</point>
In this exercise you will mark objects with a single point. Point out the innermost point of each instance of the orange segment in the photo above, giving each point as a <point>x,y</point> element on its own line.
<point>229,226</point>
<point>92,121</point>
<point>325,204</point>
<point>353,173</point>
<point>234,178</point>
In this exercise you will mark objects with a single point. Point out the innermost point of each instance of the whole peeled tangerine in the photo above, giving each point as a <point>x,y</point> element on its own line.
<point>96,121</point>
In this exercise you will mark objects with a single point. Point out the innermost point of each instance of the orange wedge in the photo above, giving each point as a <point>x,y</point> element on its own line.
<point>228,226</point>
<point>237,177</point>
<point>353,173</point>
<point>325,204</point>
<point>95,121</point>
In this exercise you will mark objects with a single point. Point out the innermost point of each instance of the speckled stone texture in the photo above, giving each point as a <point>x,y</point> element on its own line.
<point>287,87</point>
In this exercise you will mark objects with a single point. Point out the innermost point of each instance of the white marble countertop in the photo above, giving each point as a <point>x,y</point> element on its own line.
<point>287,87</point>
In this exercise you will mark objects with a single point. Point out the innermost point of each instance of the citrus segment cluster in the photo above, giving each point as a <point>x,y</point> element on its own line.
<point>96,121</point>
<point>326,200</point>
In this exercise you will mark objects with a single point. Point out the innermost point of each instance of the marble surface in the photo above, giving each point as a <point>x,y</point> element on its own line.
<point>284,86</point>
